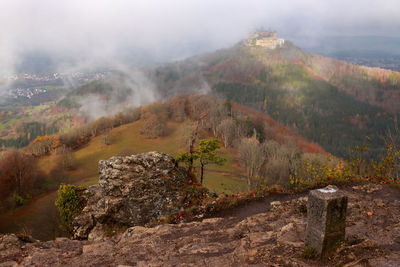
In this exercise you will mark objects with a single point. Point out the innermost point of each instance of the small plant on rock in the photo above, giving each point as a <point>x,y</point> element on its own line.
<point>69,204</point>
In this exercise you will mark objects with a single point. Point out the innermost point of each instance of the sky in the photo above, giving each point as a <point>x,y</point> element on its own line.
<point>100,32</point>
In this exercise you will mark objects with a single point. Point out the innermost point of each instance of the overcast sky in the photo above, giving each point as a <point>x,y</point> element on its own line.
<point>101,31</point>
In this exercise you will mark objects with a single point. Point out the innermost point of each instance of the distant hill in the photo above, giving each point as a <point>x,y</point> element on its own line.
<point>104,89</point>
<point>331,102</point>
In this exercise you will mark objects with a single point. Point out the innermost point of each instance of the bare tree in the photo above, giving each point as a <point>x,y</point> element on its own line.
<point>65,157</point>
<point>200,106</point>
<point>106,138</point>
<point>281,162</point>
<point>215,116</point>
<point>252,157</point>
<point>227,131</point>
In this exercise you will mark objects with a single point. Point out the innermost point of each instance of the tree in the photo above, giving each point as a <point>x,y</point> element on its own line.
<point>252,157</point>
<point>20,169</point>
<point>215,115</point>
<point>227,131</point>
<point>107,138</point>
<point>65,158</point>
<point>392,143</point>
<point>192,131</point>
<point>43,145</point>
<point>205,153</point>
<point>188,158</point>
<point>154,126</point>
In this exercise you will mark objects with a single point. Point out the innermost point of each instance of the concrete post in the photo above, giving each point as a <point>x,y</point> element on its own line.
<point>326,212</point>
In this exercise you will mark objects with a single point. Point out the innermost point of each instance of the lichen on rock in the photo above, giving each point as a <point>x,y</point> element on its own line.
<point>132,190</point>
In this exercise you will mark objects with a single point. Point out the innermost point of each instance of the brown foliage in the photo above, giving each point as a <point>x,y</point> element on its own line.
<point>154,126</point>
<point>18,173</point>
<point>43,145</point>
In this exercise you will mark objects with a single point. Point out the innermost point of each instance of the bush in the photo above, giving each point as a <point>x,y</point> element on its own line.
<point>69,203</point>
<point>18,200</point>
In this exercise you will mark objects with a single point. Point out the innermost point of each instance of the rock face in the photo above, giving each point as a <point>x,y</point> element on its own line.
<point>132,190</point>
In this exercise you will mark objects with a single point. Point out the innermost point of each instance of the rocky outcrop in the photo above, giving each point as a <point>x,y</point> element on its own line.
<point>274,237</point>
<point>132,190</point>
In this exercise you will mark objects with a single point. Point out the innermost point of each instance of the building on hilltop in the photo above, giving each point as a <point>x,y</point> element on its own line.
<point>265,39</point>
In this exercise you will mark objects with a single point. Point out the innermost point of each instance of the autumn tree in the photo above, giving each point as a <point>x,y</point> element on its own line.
<point>43,145</point>
<point>20,169</point>
<point>154,126</point>
<point>6,185</point>
<point>200,106</point>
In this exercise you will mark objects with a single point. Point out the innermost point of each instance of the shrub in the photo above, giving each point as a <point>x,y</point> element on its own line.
<point>18,200</point>
<point>69,203</point>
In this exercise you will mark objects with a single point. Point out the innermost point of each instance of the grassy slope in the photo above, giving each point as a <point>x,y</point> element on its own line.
<point>127,139</point>
<point>40,215</point>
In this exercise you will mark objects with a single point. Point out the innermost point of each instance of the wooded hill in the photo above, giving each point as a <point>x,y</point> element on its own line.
<point>331,102</point>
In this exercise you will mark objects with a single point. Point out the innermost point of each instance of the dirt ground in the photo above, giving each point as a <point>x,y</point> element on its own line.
<point>267,232</point>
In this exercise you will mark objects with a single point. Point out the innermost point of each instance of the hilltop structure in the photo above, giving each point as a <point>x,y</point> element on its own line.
<point>265,39</point>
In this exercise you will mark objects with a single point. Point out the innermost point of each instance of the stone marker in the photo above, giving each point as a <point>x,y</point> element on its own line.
<point>326,212</point>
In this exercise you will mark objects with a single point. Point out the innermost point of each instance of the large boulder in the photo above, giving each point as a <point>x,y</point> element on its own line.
<point>132,190</point>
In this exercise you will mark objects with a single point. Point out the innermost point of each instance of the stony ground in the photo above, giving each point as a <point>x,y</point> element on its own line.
<point>262,234</point>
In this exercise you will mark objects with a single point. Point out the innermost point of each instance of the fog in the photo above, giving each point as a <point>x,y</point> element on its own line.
<point>101,33</point>
<point>140,91</point>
